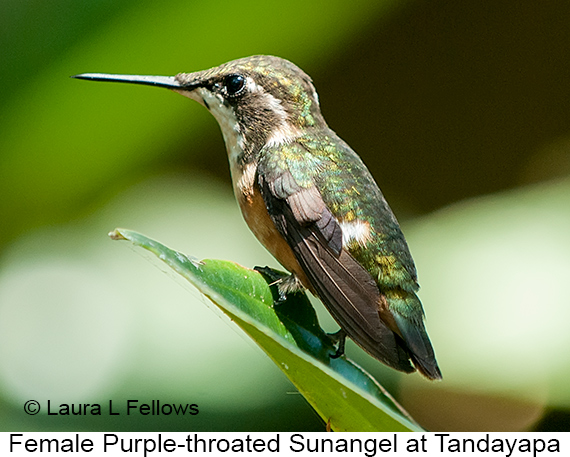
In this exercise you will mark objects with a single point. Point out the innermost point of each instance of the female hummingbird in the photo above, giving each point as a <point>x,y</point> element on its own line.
<point>311,201</point>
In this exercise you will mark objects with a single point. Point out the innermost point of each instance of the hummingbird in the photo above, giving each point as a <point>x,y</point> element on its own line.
<point>311,201</point>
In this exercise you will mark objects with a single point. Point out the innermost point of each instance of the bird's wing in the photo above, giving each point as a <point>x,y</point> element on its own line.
<point>297,208</point>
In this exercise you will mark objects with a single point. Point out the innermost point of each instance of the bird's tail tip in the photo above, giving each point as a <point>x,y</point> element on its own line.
<point>429,370</point>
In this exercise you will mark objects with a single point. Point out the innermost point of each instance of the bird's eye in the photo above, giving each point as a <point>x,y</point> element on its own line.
<point>234,84</point>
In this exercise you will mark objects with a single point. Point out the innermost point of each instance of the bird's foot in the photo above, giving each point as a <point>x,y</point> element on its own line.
<point>288,285</point>
<point>285,284</point>
<point>340,338</point>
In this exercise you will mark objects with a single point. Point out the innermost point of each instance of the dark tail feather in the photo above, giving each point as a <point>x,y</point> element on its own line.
<point>421,351</point>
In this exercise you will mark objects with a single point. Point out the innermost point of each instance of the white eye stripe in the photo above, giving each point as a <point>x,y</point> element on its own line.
<point>284,132</point>
<point>252,86</point>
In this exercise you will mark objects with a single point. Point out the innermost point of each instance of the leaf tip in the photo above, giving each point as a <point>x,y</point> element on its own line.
<point>116,235</point>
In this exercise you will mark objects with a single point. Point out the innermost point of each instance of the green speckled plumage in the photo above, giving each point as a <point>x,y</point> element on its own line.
<point>350,192</point>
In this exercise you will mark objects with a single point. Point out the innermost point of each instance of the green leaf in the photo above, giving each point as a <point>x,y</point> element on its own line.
<point>343,394</point>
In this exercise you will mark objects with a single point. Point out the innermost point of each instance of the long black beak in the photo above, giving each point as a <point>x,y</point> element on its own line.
<point>158,81</point>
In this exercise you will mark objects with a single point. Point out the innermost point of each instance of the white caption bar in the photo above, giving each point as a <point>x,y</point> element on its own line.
<point>299,444</point>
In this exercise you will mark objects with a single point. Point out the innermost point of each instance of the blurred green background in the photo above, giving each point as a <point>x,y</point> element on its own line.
<point>460,110</point>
